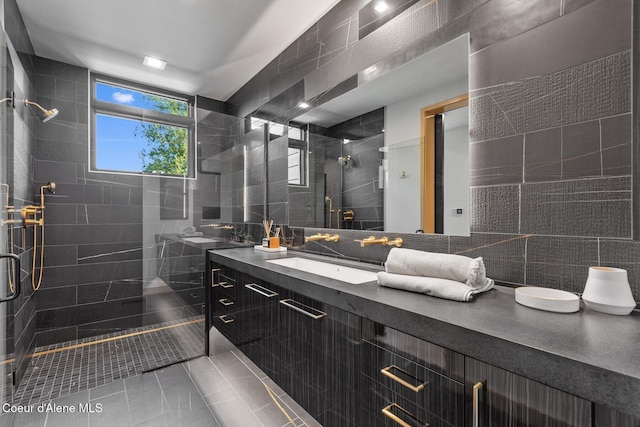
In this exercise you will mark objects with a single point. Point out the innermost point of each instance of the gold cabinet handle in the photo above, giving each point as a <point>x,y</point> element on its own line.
<point>304,309</point>
<point>225,285</point>
<point>262,291</point>
<point>226,302</point>
<point>226,319</point>
<point>387,413</point>
<point>416,388</point>
<point>213,276</point>
<point>476,406</point>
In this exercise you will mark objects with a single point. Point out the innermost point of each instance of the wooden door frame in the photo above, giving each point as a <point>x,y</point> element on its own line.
<point>427,157</point>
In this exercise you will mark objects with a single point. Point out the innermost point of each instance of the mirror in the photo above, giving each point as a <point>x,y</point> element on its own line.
<point>375,164</point>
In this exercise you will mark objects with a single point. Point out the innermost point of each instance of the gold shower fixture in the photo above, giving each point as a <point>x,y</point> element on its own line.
<point>46,114</point>
<point>33,215</point>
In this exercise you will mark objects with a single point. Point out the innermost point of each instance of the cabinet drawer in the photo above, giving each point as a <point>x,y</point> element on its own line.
<point>427,390</point>
<point>226,324</point>
<point>434,357</point>
<point>223,279</point>
<point>382,407</point>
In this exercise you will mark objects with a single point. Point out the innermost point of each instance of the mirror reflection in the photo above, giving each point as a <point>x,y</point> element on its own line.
<point>391,154</point>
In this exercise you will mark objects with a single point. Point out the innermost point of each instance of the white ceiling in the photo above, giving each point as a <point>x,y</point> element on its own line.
<point>213,47</point>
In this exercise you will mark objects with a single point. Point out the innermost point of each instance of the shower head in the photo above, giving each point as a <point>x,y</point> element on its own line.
<point>47,114</point>
<point>50,114</point>
<point>50,187</point>
<point>344,160</point>
<point>327,199</point>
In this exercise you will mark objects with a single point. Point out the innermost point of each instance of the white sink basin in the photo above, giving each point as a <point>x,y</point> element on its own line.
<point>548,299</point>
<point>327,269</point>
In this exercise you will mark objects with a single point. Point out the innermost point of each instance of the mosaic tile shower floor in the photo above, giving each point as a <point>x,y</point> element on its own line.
<point>66,368</point>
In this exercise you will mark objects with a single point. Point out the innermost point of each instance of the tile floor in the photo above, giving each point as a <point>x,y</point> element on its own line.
<point>65,368</point>
<point>222,390</point>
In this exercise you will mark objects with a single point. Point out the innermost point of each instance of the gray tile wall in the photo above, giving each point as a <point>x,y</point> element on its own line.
<point>20,139</point>
<point>550,112</point>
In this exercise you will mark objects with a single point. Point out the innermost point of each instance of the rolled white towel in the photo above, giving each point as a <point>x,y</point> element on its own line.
<point>434,286</point>
<point>432,264</point>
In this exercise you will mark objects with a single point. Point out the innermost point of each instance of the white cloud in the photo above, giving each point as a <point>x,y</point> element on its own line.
<point>123,98</point>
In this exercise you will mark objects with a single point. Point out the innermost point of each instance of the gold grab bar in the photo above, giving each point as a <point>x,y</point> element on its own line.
<point>304,309</point>
<point>262,291</point>
<point>387,412</point>
<point>225,320</point>
<point>416,388</point>
<point>476,407</point>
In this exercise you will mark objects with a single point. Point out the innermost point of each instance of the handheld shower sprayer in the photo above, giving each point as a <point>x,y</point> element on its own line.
<point>30,218</point>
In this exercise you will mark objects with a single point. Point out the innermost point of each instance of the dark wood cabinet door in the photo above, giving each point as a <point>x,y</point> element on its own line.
<point>607,417</point>
<point>319,358</point>
<point>257,317</point>
<point>506,399</point>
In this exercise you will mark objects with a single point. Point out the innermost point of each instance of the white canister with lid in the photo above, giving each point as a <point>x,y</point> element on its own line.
<point>607,290</point>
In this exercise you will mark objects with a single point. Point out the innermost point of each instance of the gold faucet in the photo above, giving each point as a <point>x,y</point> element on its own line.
<point>381,241</point>
<point>373,241</point>
<point>333,238</point>
<point>316,237</point>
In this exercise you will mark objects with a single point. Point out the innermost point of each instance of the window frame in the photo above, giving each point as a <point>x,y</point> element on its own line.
<point>97,107</point>
<point>303,161</point>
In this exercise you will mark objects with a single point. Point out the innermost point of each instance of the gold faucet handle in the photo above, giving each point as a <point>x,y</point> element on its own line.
<point>397,242</point>
<point>333,238</point>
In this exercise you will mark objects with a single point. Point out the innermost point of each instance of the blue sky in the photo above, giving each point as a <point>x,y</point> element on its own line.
<point>117,147</point>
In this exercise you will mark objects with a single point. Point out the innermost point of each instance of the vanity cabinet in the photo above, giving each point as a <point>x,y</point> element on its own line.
<point>409,381</point>
<point>501,398</point>
<point>349,371</point>
<point>220,285</point>
<point>310,349</point>
<point>319,358</point>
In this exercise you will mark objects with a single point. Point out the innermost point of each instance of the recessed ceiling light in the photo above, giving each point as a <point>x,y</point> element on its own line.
<point>154,63</point>
<point>303,105</point>
<point>381,6</point>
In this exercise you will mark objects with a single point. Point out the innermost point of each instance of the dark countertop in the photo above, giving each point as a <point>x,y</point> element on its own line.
<point>204,242</point>
<point>589,354</point>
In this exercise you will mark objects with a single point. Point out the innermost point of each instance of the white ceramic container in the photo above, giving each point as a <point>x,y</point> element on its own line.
<point>547,299</point>
<point>607,290</point>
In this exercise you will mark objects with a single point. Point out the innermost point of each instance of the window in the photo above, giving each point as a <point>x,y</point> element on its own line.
<point>137,129</point>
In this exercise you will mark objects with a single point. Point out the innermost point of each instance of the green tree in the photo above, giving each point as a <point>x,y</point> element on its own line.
<point>167,152</point>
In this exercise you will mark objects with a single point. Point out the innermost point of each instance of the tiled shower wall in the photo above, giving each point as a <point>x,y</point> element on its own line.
<point>20,139</point>
<point>103,231</point>
<point>550,124</point>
